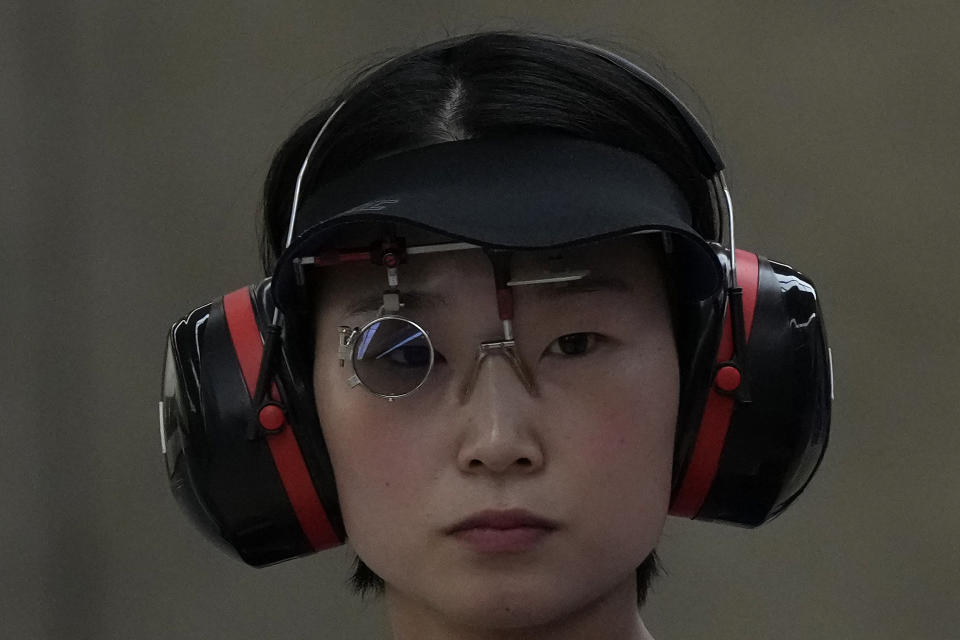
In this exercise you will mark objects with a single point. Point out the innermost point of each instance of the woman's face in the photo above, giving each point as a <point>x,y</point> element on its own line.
<point>570,485</point>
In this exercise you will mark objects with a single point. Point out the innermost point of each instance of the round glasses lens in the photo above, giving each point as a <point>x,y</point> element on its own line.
<point>392,356</point>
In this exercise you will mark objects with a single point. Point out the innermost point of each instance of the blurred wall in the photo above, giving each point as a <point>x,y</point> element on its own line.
<point>135,138</point>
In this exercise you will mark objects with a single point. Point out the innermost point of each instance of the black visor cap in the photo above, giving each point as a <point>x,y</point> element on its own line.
<point>524,191</point>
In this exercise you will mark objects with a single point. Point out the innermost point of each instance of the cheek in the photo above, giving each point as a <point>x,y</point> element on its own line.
<point>626,401</point>
<point>620,436</point>
<point>628,443</point>
<point>378,465</point>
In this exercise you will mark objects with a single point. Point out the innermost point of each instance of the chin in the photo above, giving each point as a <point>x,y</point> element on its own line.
<point>515,602</point>
<point>505,608</point>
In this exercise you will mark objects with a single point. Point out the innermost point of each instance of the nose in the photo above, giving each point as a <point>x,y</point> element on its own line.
<point>500,429</point>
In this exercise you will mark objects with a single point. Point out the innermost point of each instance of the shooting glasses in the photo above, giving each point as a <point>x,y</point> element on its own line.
<point>392,356</point>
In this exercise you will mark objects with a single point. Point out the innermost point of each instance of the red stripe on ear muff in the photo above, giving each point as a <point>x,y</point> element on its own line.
<point>284,448</point>
<point>718,411</point>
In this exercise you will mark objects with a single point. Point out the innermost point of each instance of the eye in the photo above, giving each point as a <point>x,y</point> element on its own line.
<point>414,356</point>
<point>574,344</point>
<point>410,356</point>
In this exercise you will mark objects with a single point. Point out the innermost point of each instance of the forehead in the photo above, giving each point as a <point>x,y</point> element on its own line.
<point>625,265</point>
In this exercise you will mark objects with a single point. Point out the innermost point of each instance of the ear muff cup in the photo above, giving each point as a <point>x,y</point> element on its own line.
<point>745,451</point>
<point>269,496</point>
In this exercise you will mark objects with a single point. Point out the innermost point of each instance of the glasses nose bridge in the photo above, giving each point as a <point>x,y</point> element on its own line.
<point>505,349</point>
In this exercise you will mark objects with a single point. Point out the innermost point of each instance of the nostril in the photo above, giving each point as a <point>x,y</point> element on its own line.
<point>524,462</point>
<point>475,463</point>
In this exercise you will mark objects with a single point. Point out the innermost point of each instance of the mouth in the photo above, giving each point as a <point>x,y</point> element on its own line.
<point>494,531</point>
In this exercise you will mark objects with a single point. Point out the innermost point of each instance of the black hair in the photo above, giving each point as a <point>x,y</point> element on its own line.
<point>481,84</point>
<point>495,82</point>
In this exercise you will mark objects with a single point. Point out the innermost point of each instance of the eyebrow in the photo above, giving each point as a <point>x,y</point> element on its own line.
<point>426,300</point>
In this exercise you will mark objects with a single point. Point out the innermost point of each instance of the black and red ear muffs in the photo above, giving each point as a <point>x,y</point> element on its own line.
<point>753,425</point>
<point>257,481</point>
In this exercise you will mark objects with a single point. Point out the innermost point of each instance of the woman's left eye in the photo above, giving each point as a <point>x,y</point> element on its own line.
<point>574,344</point>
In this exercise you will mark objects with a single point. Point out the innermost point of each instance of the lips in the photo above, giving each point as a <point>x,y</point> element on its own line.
<point>496,532</point>
<point>502,520</point>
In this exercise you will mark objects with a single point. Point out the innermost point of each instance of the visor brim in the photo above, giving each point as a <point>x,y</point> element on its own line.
<point>512,192</point>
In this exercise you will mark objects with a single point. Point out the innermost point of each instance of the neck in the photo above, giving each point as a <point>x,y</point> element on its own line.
<point>612,617</point>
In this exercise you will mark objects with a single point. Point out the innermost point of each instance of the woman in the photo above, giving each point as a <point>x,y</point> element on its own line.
<point>501,240</point>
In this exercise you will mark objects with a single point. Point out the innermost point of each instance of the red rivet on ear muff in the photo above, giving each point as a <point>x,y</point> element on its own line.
<point>727,378</point>
<point>271,417</point>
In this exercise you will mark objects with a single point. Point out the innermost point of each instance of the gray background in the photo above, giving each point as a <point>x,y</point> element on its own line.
<point>134,142</point>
